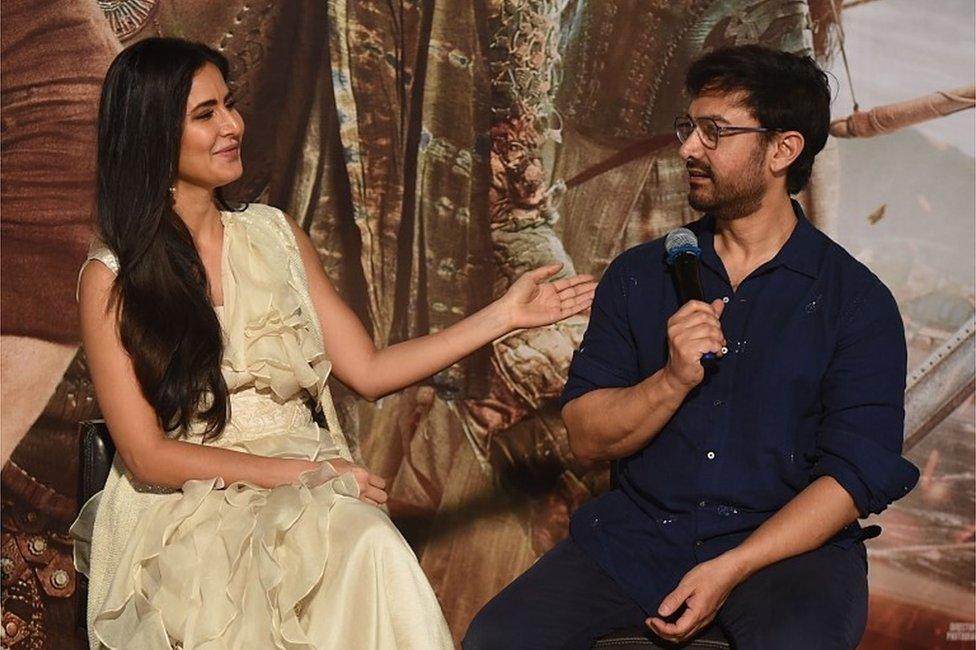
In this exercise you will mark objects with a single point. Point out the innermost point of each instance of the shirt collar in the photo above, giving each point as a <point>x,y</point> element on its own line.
<point>802,251</point>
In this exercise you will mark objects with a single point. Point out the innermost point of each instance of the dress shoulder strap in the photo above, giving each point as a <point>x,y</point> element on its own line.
<point>98,252</point>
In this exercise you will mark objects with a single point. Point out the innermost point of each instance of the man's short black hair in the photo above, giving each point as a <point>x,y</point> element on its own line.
<point>783,91</point>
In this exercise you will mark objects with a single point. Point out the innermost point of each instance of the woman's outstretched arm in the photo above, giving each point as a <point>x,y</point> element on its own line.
<point>530,302</point>
<point>150,456</point>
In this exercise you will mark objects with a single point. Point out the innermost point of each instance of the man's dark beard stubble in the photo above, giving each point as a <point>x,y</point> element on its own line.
<point>734,199</point>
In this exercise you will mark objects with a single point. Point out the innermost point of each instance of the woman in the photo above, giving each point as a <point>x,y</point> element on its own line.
<point>230,519</point>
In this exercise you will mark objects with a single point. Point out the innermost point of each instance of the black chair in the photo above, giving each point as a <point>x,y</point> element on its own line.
<point>641,638</point>
<point>711,638</point>
<point>95,453</point>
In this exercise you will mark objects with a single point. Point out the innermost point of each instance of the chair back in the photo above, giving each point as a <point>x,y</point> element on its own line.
<point>95,454</point>
<point>96,451</point>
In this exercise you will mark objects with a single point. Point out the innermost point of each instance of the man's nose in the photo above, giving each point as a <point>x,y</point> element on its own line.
<point>690,147</point>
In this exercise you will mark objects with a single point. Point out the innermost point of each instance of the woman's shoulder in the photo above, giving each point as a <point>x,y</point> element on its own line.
<point>258,213</point>
<point>257,217</point>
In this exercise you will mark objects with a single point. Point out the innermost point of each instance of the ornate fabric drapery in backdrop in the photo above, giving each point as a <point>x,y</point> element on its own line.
<point>433,151</point>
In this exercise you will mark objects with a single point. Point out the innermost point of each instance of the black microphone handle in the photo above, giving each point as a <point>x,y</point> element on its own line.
<point>688,281</point>
<point>687,278</point>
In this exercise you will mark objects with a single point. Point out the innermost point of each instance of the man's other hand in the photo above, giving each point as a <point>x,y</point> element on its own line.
<point>702,591</point>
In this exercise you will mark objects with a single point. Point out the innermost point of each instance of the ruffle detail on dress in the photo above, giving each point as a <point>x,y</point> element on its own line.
<point>81,534</point>
<point>279,348</point>
<point>211,564</point>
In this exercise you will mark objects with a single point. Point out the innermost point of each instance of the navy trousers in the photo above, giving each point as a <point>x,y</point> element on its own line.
<point>815,601</point>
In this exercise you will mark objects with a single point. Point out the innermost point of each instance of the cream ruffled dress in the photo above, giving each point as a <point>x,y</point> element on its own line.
<point>300,566</point>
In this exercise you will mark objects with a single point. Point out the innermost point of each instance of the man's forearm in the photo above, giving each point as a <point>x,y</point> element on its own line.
<point>811,518</point>
<point>612,423</point>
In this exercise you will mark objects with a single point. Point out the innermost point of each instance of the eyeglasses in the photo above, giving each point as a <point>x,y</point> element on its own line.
<point>709,131</point>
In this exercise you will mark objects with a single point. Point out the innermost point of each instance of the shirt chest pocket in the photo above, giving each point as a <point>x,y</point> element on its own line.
<point>795,357</point>
<point>788,374</point>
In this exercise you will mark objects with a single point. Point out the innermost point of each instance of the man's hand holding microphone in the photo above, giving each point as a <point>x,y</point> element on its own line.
<point>695,339</point>
<point>693,332</point>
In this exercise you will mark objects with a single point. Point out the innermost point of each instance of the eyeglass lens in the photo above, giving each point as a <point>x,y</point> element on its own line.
<point>685,127</point>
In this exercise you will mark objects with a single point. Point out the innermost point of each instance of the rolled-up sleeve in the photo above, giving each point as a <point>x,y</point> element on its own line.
<point>607,357</point>
<point>860,435</point>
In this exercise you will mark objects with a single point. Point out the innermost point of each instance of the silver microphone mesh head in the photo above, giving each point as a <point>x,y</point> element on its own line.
<point>680,237</point>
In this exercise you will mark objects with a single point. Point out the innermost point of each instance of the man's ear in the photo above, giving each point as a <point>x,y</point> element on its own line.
<point>786,148</point>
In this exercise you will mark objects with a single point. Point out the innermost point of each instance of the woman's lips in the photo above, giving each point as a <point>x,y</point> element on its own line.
<point>230,153</point>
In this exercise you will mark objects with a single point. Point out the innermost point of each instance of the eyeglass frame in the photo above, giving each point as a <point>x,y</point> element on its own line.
<point>719,130</point>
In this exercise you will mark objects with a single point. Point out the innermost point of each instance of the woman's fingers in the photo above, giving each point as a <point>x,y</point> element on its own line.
<point>376,481</point>
<point>373,495</point>
<point>585,294</point>
<point>372,487</point>
<point>584,289</point>
<point>578,303</point>
<point>576,280</point>
<point>542,273</point>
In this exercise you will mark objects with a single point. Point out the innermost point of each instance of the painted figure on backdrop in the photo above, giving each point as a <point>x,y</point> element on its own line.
<point>740,483</point>
<point>209,329</point>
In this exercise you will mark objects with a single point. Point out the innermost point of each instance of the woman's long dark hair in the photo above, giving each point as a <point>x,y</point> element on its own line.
<point>167,322</point>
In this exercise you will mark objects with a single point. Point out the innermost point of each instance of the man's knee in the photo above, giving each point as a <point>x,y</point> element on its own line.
<point>492,628</point>
<point>552,605</point>
<point>818,600</point>
<point>800,631</point>
<point>514,618</point>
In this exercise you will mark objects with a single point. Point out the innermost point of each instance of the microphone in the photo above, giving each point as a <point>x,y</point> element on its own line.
<point>682,248</point>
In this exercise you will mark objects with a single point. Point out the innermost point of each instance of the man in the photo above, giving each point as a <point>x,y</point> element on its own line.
<point>739,486</point>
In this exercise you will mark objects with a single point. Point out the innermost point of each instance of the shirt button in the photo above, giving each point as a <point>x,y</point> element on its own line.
<point>698,542</point>
<point>725,299</point>
<point>596,522</point>
<point>717,402</point>
<point>701,504</point>
<point>710,455</point>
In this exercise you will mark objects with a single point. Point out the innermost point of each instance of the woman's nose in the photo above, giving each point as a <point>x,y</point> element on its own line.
<point>232,123</point>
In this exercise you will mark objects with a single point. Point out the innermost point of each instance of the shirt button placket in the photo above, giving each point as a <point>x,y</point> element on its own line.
<point>720,421</point>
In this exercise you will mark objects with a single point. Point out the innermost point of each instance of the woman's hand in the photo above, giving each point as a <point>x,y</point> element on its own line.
<point>533,301</point>
<point>372,488</point>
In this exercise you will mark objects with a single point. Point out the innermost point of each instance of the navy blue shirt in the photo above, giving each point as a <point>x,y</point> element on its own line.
<point>813,385</point>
